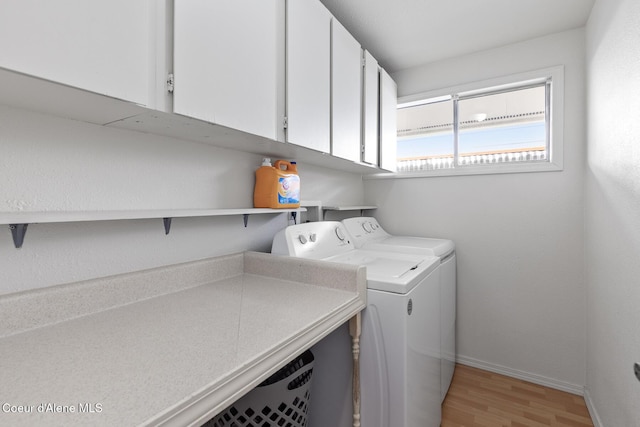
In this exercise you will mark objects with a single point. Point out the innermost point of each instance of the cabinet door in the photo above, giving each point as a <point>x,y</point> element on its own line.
<point>370,103</point>
<point>346,93</point>
<point>226,65</point>
<point>308,74</point>
<point>102,46</point>
<point>388,121</point>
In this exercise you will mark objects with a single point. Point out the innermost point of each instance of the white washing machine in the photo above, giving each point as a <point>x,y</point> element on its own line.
<point>400,341</point>
<point>366,233</point>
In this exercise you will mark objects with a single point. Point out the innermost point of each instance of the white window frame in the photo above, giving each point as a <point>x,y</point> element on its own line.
<point>556,123</point>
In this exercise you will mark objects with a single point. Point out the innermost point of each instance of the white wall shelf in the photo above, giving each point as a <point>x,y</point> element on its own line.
<point>19,221</point>
<point>360,208</point>
<point>349,208</point>
<point>318,209</point>
<point>314,209</point>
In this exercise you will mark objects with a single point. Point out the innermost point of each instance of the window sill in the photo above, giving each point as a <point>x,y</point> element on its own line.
<point>471,170</point>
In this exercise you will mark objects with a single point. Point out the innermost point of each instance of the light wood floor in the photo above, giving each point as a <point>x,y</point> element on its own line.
<point>480,398</point>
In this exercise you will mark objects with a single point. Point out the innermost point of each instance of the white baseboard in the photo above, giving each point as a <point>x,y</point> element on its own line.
<point>597,422</point>
<point>522,375</point>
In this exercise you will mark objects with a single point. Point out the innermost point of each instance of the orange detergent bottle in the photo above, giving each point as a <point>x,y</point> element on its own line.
<point>277,186</point>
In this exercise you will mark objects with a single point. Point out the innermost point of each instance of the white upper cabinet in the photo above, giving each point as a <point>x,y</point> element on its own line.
<point>229,63</point>
<point>370,107</point>
<point>346,93</point>
<point>247,74</point>
<point>107,47</point>
<point>308,74</point>
<point>388,121</point>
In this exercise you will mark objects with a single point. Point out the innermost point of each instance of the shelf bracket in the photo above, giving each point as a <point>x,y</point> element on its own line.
<point>167,225</point>
<point>245,219</point>
<point>294,216</point>
<point>18,231</point>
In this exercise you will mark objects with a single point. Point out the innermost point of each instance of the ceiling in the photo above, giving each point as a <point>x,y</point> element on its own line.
<point>403,34</point>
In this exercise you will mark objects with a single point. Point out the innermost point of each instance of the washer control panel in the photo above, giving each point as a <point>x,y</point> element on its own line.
<point>364,230</point>
<point>312,240</point>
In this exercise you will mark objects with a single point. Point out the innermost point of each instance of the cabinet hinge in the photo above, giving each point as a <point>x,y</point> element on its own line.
<point>170,83</point>
<point>285,123</point>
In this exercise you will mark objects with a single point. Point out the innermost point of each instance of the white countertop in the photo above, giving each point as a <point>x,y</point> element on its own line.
<point>172,359</point>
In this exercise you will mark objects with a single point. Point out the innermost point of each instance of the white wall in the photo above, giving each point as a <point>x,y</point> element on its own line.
<point>613,211</point>
<point>519,237</point>
<point>55,164</point>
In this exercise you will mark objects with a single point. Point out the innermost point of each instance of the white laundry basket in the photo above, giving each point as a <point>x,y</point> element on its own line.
<point>282,400</point>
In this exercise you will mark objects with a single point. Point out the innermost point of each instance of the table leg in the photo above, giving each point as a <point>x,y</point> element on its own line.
<point>355,328</point>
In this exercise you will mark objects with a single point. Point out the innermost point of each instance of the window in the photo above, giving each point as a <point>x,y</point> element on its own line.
<point>511,124</point>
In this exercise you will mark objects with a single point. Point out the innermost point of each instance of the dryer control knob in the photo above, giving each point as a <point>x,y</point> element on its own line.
<point>367,227</point>
<point>339,233</point>
<point>313,237</point>
<point>302,239</point>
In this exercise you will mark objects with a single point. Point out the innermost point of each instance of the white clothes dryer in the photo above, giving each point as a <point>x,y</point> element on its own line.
<point>366,233</point>
<point>400,341</point>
